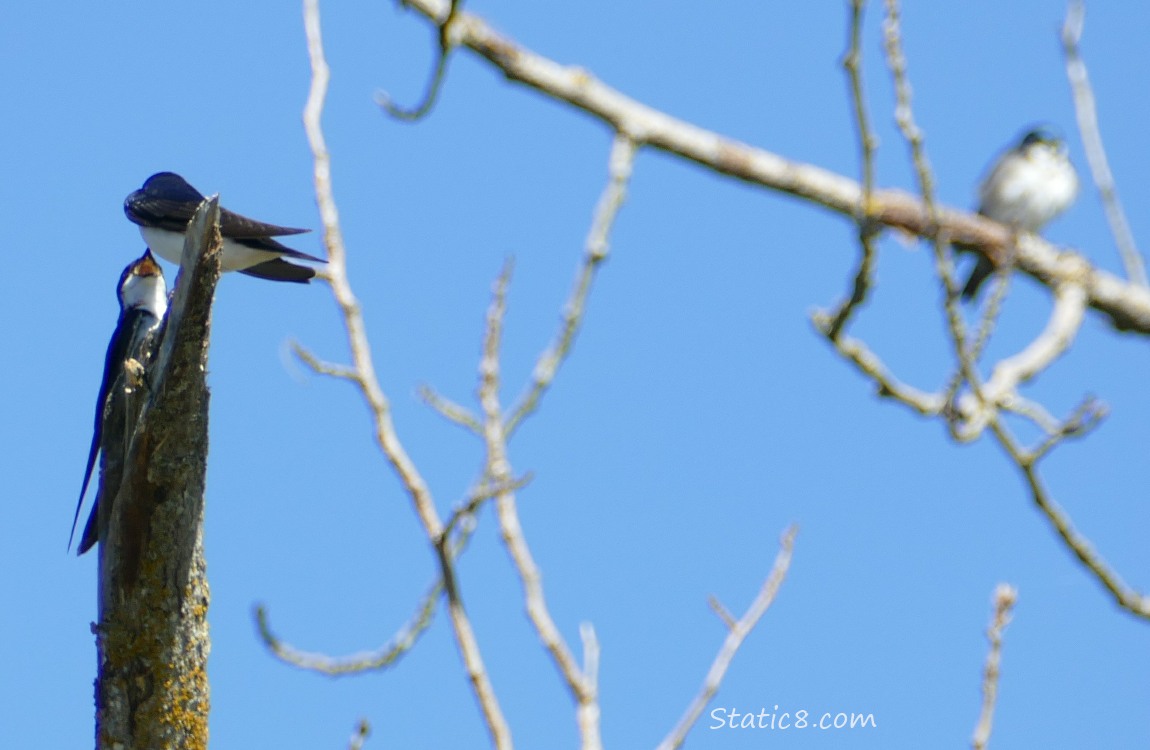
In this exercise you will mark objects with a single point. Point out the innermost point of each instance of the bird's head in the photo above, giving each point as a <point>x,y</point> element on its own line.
<point>142,286</point>
<point>1043,137</point>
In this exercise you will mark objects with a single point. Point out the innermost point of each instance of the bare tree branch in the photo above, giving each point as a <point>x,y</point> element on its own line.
<point>1065,320</point>
<point>1084,418</point>
<point>450,410</point>
<point>1126,597</point>
<point>868,363</point>
<point>1074,282</point>
<point>497,430</point>
<point>1005,597</point>
<point>1002,387</point>
<point>368,385</point>
<point>364,371</point>
<point>904,116</point>
<point>407,636</point>
<point>590,660</point>
<point>1127,305</point>
<point>737,632</point>
<point>1092,141</point>
<point>382,658</point>
<point>622,161</point>
<point>970,414</point>
<point>498,468</point>
<point>321,367</point>
<point>362,732</point>
<point>469,650</point>
<point>833,324</point>
<point>439,71</point>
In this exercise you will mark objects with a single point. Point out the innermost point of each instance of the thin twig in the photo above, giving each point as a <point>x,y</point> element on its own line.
<point>362,732</point>
<point>409,634</point>
<point>1085,417</point>
<point>833,324</point>
<point>904,116</point>
<point>723,613</point>
<point>469,649</point>
<point>990,312</point>
<point>365,379</point>
<point>368,384</point>
<point>869,364</point>
<point>1126,597</point>
<point>1066,317</point>
<point>388,655</point>
<point>497,430</point>
<point>1005,597</point>
<point>498,468</point>
<point>321,367</point>
<point>484,491</point>
<point>965,357</point>
<point>438,74</point>
<point>382,658</point>
<point>852,63</point>
<point>621,162</point>
<point>449,410</point>
<point>1034,411</point>
<point>1087,114</point>
<point>590,655</point>
<point>737,632</point>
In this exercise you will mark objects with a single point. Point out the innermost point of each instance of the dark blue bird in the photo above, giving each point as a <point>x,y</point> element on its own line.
<point>166,203</point>
<point>143,299</point>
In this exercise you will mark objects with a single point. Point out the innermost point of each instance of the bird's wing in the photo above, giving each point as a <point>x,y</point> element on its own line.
<point>235,226</point>
<point>113,362</point>
<point>280,270</point>
<point>91,533</point>
<point>92,452</point>
<point>173,213</point>
<point>272,246</point>
<point>163,213</point>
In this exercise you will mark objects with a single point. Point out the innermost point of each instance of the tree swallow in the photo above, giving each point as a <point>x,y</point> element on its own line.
<point>143,303</point>
<point>166,203</point>
<point>1027,187</point>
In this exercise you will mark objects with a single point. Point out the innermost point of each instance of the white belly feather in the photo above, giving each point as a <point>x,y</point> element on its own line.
<point>169,245</point>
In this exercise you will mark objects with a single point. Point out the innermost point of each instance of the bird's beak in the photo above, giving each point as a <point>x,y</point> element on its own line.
<point>147,265</point>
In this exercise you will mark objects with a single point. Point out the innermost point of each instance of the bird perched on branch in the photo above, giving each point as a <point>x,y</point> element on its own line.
<point>1028,186</point>
<point>166,203</point>
<point>143,303</point>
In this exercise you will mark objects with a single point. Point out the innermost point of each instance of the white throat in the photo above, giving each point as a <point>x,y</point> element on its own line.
<point>145,292</point>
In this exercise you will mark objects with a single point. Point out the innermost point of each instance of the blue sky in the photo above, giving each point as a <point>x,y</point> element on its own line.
<point>698,416</point>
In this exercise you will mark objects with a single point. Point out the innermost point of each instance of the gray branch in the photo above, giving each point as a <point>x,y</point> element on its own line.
<point>1127,305</point>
